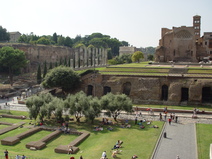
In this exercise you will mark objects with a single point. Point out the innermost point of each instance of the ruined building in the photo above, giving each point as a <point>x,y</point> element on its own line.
<point>184,44</point>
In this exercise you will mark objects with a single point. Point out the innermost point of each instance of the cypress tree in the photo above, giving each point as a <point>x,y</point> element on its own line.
<point>45,70</point>
<point>60,62</point>
<point>39,78</point>
<point>50,66</point>
<point>65,62</point>
<point>55,65</point>
<point>69,63</point>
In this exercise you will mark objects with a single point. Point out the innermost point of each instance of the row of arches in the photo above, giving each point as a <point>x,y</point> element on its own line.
<point>126,88</point>
<point>206,94</point>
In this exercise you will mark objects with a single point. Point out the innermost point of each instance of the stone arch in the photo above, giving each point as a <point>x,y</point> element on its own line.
<point>184,94</point>
<point>90,90</point>
<point>126,88</point>
<point>164,92</point>
<point>107,89</point>
<point>206,94</point>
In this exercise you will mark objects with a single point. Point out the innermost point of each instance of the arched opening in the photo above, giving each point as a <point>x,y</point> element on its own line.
<point>206,95</point>
<point>164,93</point>
<point>127,88</point>
<point>90,90</point>
<point>107,90</point>
<point>184,94</point>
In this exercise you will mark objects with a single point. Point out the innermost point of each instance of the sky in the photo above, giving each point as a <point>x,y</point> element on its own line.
<point>138,22</point>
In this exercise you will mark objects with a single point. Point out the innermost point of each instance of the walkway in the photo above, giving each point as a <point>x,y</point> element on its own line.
<point>181,140</point>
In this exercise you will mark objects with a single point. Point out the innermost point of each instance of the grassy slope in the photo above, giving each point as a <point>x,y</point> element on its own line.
<point>204,139</point>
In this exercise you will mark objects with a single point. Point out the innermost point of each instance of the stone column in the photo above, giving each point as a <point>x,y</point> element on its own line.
<point>72,63</point>
<point>85,57</point>
<point>89,57</point>
<point>93,57</point>
<point>97,56</point>
<point>76,57</point>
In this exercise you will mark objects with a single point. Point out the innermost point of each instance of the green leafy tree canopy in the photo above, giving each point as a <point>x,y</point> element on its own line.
<point>63,77</point>
<point>137,56</point>
<point>12,59</point>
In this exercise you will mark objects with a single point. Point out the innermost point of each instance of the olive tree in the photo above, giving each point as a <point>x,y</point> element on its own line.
<point>114,104</point>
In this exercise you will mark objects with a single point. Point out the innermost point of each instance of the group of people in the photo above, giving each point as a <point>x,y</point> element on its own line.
<point>6,154</point>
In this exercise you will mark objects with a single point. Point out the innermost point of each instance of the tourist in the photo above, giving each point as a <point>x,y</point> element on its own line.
<point>72,157</point>
<point>160,116</point>
<point>104,154</point>
<point>70,149</point>
<point>6,153</point>
<point>23,157</point>
<point>134,156</point>
<point>81,157</point>
<point>17,157</point>
<point>176,118</point>
<point>165,117</point>
<point>170,120</point>
<point>136,120</point>
<point>178,157</point>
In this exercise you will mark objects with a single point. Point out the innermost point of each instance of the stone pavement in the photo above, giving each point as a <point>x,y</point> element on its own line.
<point>181,140</point>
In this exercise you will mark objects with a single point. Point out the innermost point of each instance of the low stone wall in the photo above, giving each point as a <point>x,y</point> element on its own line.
<point>13,116</point>
<point>42,142</point>
<point>12,127</point>
<point>78,140</point>
<point>15,139</point>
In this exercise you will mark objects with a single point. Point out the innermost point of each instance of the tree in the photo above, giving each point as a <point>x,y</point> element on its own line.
<point>4,35</point>
<point>94,108</point>
<point>77,104</point>
<point>12,59</point>
<point>150,57</point>
<point>137,56</point>
<point>63,77</point>
<point>43,106</point>
<point>43,41</point>
<point>39,78</point>
<point>44,69</point>
<point>114,104</point>
<point>124,43</point>
<point>54,38</point>
<point>68,42</point>
<point>61,40</point>
<point>50,66</point>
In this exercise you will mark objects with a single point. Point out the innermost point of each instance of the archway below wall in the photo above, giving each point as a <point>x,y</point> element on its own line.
<point>164,93</point>
<point>206,95</point>
<point>107,90</point>
<point>184,94</point>
<point>90,90</point>
<point>126,88</point>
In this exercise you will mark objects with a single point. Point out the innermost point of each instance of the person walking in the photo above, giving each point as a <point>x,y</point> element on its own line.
<point>165,115</point>
<point>170,120</point>
<point>6,154</point>
<point>160,116</point>
<point>136,120</point>
<point>176,118</point>
<point>81,157</point>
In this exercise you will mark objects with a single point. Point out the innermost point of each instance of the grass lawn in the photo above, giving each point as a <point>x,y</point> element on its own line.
<point>136,141</point>
<point>204,139</point>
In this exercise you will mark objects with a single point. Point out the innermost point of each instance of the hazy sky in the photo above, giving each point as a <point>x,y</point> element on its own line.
<point>138,22</point>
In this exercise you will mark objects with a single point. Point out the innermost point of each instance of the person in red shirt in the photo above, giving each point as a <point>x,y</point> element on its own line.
<point>170,120</point>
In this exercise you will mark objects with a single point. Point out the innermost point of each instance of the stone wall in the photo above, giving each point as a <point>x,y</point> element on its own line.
<point>148,90</point>
<point>80,57</point>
